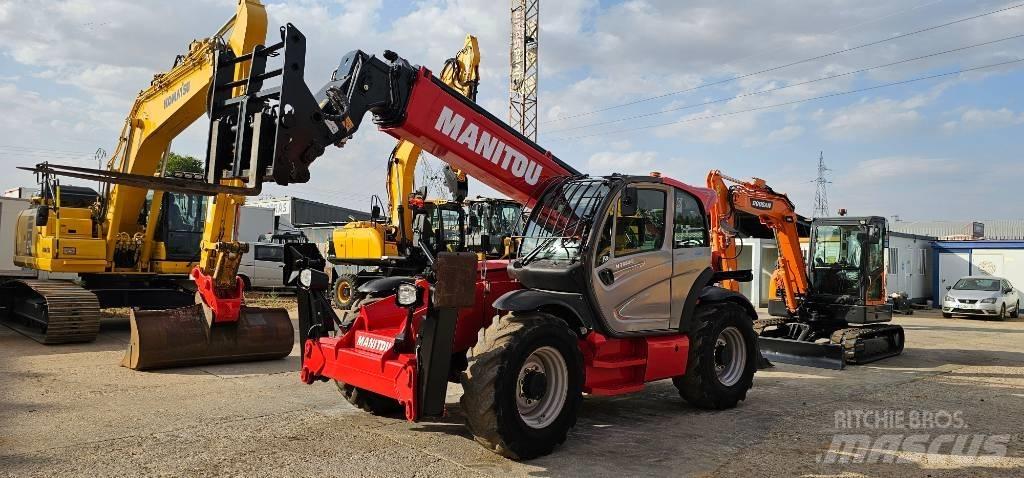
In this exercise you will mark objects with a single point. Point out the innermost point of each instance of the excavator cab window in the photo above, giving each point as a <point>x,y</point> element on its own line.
<point>180,226</point>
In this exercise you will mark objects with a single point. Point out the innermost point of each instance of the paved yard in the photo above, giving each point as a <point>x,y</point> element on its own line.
<point>71,410</point>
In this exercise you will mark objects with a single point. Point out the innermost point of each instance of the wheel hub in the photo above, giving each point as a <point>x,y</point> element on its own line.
<point>542,386</point>
<point>534,385</point>
<point>730,356</point>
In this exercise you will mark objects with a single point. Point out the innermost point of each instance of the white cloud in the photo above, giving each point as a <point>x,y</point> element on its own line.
<point>876,118</point>
<point>781,135</point>
<point>902,167</point>
<point>978,118</point>
<point>633,162</point>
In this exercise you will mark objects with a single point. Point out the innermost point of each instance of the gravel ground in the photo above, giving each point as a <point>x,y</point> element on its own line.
<point>71,411</point>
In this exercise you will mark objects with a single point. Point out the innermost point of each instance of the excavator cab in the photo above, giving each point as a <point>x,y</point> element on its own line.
<point>492,224</point>
<point>846,268</point>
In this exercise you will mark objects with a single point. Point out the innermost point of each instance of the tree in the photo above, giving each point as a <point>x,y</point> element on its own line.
<point>179,163</point>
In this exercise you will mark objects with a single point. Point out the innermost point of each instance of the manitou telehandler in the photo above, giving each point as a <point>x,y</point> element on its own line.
<point>612,287</point>
<point>136,243</point>
<point>390,245</point>
<point>829,313</point>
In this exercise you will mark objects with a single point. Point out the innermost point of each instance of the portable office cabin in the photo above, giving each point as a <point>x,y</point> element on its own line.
<point>9,209</point>
<point>907,266</point>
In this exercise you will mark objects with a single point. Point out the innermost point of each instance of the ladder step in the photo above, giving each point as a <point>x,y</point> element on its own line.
<point>619,362</point>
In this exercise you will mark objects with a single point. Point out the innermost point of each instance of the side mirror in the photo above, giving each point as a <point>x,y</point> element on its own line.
<point>628,203</point>
<point>948,287</point>
<point>42,215</point>
<point>375,213</point>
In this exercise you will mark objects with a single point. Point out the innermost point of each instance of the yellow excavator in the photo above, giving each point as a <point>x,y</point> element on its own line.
<point>387,243</point>
<point>135,243</point>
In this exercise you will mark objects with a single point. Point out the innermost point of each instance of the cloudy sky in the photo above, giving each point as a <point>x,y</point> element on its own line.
<point>948,147</point>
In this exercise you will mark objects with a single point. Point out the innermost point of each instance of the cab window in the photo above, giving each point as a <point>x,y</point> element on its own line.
<point>643,231</point>
<point>689,227</point>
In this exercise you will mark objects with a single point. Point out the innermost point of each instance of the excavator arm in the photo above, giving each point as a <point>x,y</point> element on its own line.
<point>776,212</point>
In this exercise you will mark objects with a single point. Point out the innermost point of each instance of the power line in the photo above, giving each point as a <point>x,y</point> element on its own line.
<point>772,90</point>
<point>787,103</point>
<point>787,65</point>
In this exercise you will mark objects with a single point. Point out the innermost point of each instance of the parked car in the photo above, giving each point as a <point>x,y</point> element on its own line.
<point>262,267</point>
<point>976,295</point>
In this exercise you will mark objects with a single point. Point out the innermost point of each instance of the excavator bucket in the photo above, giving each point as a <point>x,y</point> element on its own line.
<point>798,352</point>
<point>181,337</point>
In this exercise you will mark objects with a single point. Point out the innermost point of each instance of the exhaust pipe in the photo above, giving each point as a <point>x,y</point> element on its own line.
<point>181,338</point>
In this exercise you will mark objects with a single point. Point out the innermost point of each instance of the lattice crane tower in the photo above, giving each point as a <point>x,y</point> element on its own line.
<point>524,73</point>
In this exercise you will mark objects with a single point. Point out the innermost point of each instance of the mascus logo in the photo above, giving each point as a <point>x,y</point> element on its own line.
<point>488,146</point>
<point>371,343</point>
<point>177,94</point>
<point>761,204</point>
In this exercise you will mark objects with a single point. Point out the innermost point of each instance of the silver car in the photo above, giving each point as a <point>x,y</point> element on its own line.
<point>982,295</point>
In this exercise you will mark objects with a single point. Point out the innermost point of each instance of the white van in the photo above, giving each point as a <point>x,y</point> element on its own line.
<point>263,266</point>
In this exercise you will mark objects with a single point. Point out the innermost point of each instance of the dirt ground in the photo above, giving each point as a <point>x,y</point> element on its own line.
<point>72,411</point>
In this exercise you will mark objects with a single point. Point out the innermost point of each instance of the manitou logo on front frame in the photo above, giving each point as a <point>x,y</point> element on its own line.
<point>488,146</point>
<point>370,343</point>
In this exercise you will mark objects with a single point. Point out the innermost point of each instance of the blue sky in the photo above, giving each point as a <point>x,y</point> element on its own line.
<point>946,148</point>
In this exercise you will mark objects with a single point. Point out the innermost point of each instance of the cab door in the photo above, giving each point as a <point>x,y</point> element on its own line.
<point>632,277</point>
<point>691,248</point>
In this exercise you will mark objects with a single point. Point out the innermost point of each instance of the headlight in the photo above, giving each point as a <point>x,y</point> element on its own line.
<point>990,300</point>
<point>948,299</point>
<point>408,295</point>
<point>305,278</point>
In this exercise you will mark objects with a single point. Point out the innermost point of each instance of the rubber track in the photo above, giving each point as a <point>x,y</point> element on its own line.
<point>850,338</point>
<point>72,313</point>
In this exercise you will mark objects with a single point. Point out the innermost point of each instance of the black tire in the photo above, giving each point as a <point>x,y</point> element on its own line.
<point>246,283</point>
<point>344,294</point>
<point>702,386</point>
<point>1016,311</point>
<point>348,316</point>
<point>1002,313</point>
<point>492,381</point>
<point>368,401</point>
<point>947,315</point>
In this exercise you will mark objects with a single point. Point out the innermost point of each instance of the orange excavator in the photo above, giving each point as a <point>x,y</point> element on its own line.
<point>828,314</point>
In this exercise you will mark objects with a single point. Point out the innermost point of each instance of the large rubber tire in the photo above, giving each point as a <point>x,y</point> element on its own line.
<point>1002,313</point>
<point>1016,311</point>
<point>492,380</point>
<point>701,386</point>
<point>344,294</point>
<point>368,401</point>
<point>947,316</point>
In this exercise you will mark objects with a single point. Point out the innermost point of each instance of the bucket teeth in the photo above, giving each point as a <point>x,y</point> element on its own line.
<point>181,337</point>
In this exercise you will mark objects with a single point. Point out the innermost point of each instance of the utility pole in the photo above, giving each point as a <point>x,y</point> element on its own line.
<point>522,113</point>
<point>821,193</point>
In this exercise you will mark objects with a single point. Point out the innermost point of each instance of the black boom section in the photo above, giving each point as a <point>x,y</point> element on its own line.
<point>259,133</point>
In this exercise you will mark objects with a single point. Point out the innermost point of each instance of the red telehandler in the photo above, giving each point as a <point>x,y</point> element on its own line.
<point>612,287</point>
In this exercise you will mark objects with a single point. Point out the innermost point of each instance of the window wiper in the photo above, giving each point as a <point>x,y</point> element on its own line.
<point>536,251</point>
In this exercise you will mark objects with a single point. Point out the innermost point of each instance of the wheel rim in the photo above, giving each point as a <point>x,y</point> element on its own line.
<point>730,356</point>
<point>541,387</point>
<point>344,292</point>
